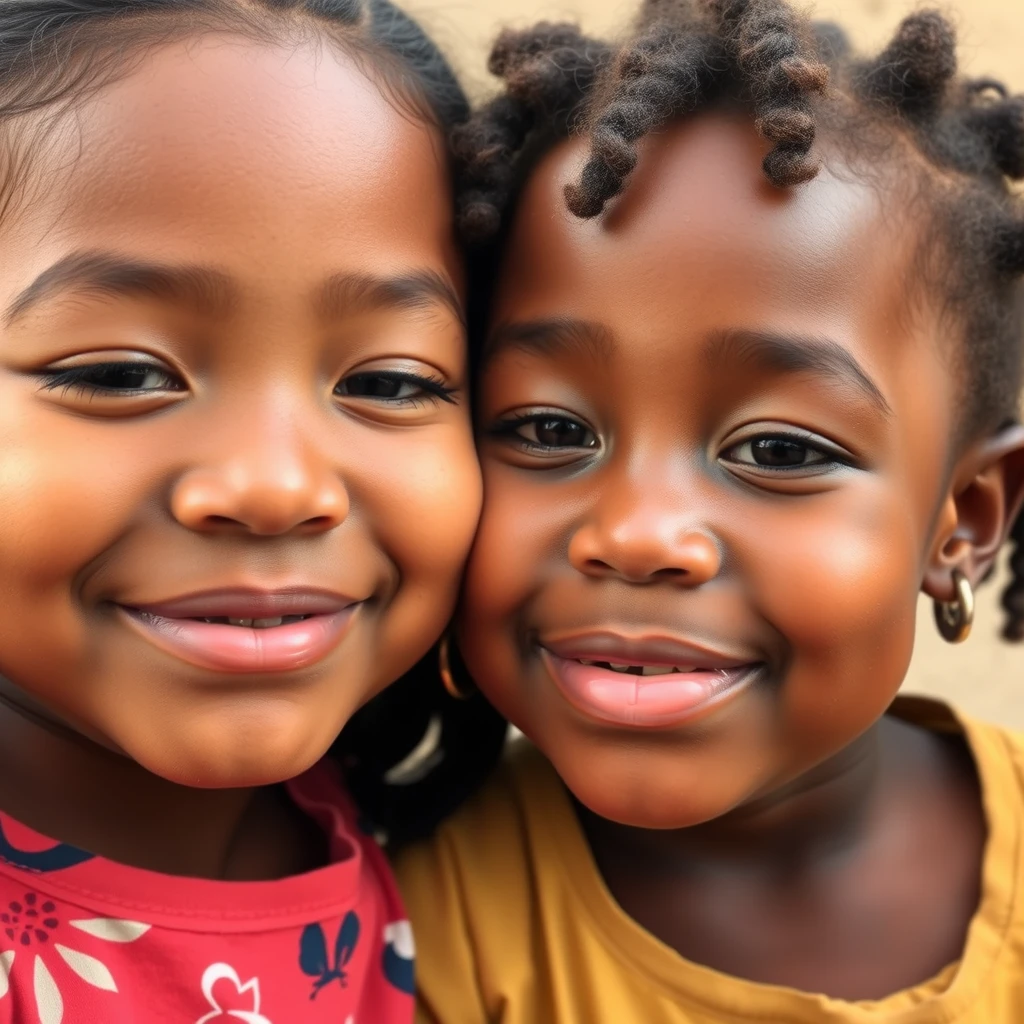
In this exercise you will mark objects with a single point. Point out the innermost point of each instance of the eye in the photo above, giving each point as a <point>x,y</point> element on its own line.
<point>395,387</point>
<point>549,432</point>
<point>784,453</point>
<point>125,378</point>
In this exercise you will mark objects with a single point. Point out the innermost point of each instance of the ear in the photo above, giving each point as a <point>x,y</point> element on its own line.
<point>985,496</point>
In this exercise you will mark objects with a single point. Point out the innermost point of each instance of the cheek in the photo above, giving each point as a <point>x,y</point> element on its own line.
<point>519,536</point>
<point>518,541</point>
<point>65,496</point>
<point>423,512</point>
<point>423,503</point>
<point>68,491</point>
<point>841,589</point>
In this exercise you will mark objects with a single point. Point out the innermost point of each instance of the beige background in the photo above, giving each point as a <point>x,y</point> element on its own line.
<point>984,676</point>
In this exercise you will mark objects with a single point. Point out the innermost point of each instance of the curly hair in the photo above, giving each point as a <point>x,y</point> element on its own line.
<point>961,139</point>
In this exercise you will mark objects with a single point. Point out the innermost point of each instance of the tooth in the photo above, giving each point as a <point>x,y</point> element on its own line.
<point>618,668</point>
<point>266,623</point>
<point>239,622</point>
<point>656,670</point>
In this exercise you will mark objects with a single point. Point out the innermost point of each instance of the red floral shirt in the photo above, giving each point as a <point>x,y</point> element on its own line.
<point>85,940</point>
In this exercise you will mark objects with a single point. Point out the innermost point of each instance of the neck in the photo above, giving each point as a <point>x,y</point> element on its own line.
<point>822,814</point>
<point>77,791</point>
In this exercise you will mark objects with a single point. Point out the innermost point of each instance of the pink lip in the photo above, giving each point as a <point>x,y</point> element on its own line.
<point>171,626</point>
<point>652,702</point>
<point>245,603</point>
<point>640,650</point>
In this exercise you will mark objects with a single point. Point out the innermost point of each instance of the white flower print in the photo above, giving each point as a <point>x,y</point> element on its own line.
<point>251,988</point>
<point>31,923</point>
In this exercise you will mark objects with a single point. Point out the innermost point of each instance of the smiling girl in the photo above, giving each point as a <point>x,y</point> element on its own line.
<point>237,485</point>
<point>749,386</point>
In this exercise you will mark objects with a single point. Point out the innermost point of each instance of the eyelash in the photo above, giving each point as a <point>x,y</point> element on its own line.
<point>508,428</point>
<point>435,387</point>
<point>76,378</point>
<point>831,459</point>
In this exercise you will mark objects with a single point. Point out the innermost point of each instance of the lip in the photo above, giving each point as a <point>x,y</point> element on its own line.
<point>171,627</point>
<point>664,701</point>
<point>644,649</point>
<point>248,603</point>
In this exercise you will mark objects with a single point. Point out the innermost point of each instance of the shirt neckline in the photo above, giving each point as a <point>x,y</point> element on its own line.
<point>939,1000</point>
<point>198,904</point>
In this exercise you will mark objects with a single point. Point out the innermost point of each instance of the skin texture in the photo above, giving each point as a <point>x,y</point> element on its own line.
<point>246,462</point>
<point>643,515</point>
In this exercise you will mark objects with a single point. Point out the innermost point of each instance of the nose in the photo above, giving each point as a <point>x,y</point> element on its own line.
<point>267,482</point>
<point>641,538</point>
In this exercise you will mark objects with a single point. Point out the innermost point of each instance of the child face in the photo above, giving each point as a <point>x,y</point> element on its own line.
<point>232,320</point>
<point>715,445</point>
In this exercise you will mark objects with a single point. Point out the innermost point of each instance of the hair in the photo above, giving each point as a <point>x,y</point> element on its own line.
<point>905,116</point>
<point>53,55</point>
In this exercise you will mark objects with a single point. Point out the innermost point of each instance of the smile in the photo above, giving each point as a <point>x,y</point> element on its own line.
<point>656,684</point>
<point>245,631</point>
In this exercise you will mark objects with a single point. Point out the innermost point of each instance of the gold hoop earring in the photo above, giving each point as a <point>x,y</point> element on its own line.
<point>955,618</point>
<point>444,667</point>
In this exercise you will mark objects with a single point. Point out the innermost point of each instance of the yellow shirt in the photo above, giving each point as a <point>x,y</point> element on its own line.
<point>514,925</point>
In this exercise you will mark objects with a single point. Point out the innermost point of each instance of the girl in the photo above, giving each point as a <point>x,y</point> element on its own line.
<point>231,366</point>
<point>750,385</point>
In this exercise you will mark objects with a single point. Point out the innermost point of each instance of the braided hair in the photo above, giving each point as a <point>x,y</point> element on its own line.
<point>906,113</point>
<point>53,54</point>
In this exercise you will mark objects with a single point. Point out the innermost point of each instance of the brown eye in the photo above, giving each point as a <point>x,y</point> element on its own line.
<point>126,378</point>
<point>368,386</point>
<point>779,452</point>
<point>394,387</point>
<point>556,432</point>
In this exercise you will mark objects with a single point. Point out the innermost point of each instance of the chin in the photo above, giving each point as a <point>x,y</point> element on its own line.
<point>224,772</point>
<point>614,786</point>
<point>647,815</point>
<point>246,755</point>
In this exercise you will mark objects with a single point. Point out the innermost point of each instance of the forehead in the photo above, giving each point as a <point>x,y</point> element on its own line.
<point>700,241</point>
<point>239,147</point>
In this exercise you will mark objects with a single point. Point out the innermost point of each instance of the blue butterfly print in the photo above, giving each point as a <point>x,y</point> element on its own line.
<point>313,953</point>
<point>400,957</point>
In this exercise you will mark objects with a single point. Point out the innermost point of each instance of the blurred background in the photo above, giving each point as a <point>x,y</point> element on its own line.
<point>984,676</point>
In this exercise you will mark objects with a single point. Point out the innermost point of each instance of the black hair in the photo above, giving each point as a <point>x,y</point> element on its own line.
<point>959,143</point>
<point>415,752</point>
<point>54,53</point>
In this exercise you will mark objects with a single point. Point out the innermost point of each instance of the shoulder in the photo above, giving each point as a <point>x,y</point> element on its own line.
<point>492,834</point>
<point>472,890</point>
<point>998,752</point>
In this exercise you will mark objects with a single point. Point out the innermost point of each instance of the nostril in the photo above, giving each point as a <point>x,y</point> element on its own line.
<point>670,574</point>
<point>319,522</point>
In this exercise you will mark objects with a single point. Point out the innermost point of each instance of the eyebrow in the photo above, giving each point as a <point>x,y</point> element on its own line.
<point>213,292</point>
<point>768,350</point>
<point>792,354</point>
<point>551,337</point>
<point>420,291</point>
<point>111,274</point>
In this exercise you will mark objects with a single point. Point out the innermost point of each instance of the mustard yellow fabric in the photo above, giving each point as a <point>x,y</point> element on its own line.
<point>514,925</point>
